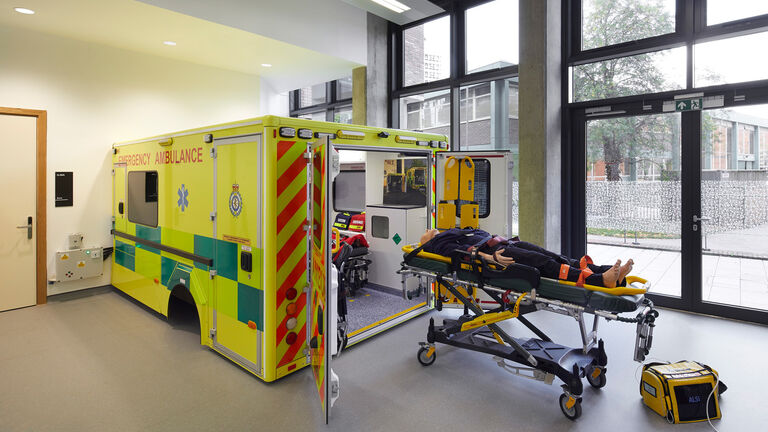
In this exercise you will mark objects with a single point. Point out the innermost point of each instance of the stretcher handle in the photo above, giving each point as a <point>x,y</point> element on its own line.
<point>337,245</point>
<point>633,279</point>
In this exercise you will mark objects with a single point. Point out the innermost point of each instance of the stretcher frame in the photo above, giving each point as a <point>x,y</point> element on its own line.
<point>540,359</point>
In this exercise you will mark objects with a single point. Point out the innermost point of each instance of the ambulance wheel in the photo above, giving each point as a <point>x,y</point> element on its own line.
<point>573,412</point>
<point>598,382</point>
<point>423,359</point>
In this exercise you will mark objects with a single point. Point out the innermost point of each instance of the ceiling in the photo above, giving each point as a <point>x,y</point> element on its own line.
<point>141,27</point>
<point>419,9</point>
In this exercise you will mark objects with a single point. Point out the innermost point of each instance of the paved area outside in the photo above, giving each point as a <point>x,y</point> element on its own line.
<point>729,280</point>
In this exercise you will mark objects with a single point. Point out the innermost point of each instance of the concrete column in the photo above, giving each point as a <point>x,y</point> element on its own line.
<point>359,99</point>
<point>500,114</point>
<point>733,147</point>
<point>377,95</point>
<point>540,122</point>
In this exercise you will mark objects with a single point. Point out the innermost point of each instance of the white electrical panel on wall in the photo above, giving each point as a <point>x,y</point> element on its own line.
<point>79,264</point>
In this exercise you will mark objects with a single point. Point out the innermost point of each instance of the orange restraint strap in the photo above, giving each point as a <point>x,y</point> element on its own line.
<point>585,260</point>
<point>585,273</point>
<point>564,268</point>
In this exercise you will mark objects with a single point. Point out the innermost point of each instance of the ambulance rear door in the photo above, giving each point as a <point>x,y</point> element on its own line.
<point>493,188</point>
<point>320,307</point>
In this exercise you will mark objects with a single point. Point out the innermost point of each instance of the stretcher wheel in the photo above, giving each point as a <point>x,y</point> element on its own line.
<point>574,411</point>
<point>597,382</point>
<point>423,359</point>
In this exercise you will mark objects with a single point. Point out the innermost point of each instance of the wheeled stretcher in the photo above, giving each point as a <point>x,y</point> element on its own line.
<point>517,290</point>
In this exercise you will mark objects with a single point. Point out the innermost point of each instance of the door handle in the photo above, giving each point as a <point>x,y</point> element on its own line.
<point>701,219</point>
<point>28,227</point>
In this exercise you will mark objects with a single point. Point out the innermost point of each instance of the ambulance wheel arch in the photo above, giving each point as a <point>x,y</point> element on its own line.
<point>188,292</point>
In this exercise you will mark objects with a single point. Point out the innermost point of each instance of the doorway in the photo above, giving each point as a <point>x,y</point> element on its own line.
<point>684,193</point>
<point>23,219</point>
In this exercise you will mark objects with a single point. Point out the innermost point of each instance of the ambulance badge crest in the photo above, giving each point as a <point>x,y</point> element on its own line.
<point>235,201</point>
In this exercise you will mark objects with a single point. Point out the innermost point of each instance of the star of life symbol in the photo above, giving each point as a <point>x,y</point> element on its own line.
<point>235,201</point>
<point>183,201</point>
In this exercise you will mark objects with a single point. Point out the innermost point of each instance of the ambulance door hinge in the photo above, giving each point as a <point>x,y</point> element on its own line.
<point>212,333</point>
<point>212,273</point>
<point>213,216</point>
<point>308,157</point>
<point>113,173</point>
<point>213,153</point>
<point>306,226</point>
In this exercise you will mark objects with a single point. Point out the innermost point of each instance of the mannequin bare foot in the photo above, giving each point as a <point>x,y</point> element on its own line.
<point>625,269</point>
<point>611,277</point>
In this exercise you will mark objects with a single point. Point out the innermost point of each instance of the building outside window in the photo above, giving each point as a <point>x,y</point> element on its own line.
<point>330,101</point>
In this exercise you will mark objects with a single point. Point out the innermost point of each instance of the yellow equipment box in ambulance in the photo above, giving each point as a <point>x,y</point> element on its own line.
<point>681,391</point>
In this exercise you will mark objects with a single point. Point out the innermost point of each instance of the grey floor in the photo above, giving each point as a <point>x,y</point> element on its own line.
<point>97,361</point>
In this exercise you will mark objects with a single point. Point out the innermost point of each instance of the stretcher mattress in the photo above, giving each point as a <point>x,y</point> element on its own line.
<point>548,288</point>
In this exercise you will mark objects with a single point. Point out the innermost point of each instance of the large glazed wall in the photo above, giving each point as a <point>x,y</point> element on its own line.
<point>96,96</point>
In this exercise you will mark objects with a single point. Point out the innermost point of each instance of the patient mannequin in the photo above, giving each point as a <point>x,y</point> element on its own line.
<point>502,251</point>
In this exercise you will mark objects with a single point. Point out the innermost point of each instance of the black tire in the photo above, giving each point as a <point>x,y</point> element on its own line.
<point>423,359</point>
<point>574,412</point>
<point>598,382</point>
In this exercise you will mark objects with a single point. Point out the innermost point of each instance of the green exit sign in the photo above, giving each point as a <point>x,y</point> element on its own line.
<point>688,104</point>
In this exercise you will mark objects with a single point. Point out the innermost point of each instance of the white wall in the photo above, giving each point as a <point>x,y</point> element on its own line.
<point>96,96</point>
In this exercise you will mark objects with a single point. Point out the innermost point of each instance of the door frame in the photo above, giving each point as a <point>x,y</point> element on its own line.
<point>41,126</point>
<point>574,187</point>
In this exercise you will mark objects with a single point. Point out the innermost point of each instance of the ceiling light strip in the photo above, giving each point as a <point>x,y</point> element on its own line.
<point>392,5</point>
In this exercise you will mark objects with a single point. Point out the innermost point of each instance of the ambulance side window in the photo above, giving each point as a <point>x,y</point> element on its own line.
<point>482,188</point>
<point>142,197</point>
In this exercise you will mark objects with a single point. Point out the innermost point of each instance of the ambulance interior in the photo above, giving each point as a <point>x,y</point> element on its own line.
<point>379,205</point>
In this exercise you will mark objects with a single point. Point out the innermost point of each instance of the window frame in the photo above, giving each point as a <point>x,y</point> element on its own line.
<point>331,102</point>
<point>458,76</point>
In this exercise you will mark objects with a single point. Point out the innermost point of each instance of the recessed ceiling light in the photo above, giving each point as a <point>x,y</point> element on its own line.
<point>266,64</point>
<point>169,43</point>
<point>24,11</point>
<point>393,5</point>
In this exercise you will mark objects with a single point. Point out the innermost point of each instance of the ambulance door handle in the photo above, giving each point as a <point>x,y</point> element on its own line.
<point>28,227</point>
<point>120,207</point>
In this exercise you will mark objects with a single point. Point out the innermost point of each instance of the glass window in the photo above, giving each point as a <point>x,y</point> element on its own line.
<point>633,191</point>
<point>344,88</point>
<point>343,114</point>
<point>730,60</point>
<point>489,116</point>
<point>314,95</point>
<point>482,188</point>
<point>318,115</point>
<point>428,112</point>
<point>426,51</point>
<point>610,22</point>
<point>492,36</point>
<point>632,75</point>
<point>142,197</point>
<point>720,11</point>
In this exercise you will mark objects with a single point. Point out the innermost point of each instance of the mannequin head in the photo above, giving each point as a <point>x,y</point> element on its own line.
<point>428,235</point>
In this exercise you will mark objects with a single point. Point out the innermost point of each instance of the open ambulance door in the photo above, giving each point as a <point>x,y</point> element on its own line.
<point>321,304</point>
<point>474,189</point>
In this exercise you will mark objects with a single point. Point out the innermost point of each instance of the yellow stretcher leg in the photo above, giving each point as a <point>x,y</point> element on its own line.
<point>494,317</point>
<point>451,182</point>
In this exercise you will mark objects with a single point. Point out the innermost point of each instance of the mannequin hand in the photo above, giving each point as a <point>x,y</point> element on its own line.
<point>505,261</point>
